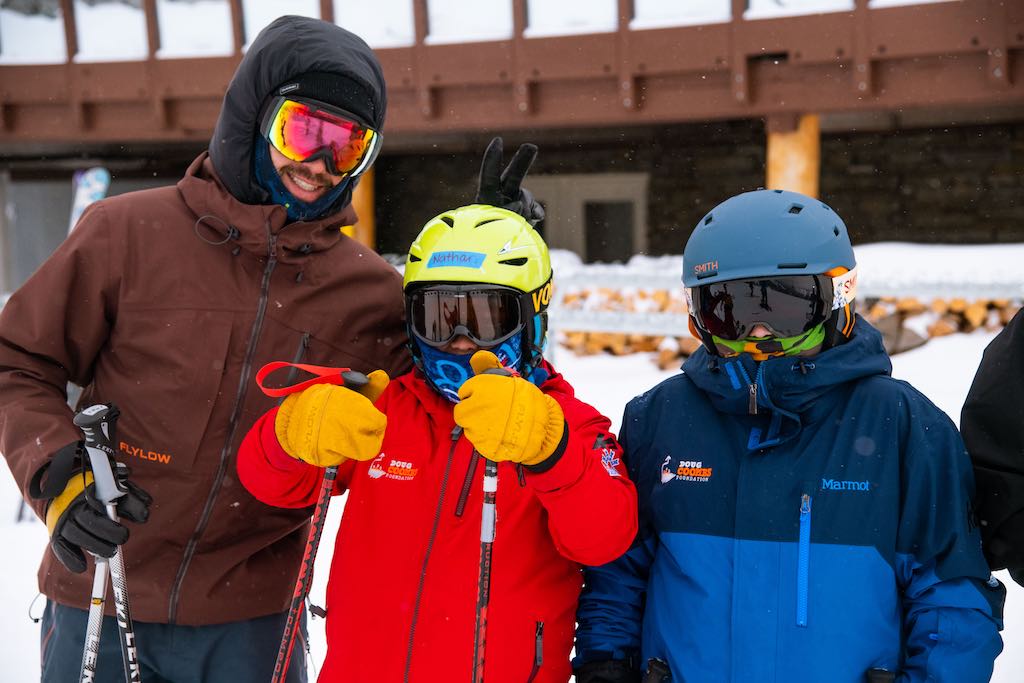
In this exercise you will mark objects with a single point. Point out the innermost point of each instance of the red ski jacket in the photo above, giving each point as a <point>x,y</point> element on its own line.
<point>401,598</point>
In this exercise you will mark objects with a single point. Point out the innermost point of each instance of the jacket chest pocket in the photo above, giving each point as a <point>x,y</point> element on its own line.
<point>165,372</point>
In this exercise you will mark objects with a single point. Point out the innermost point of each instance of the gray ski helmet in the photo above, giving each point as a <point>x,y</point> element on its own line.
<point>768,233</point>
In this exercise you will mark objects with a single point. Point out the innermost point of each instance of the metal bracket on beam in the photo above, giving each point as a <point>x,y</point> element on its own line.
<point>522,86</point>
<point>999,67</point>
<point>427,98</point>
<point>862,67</point>
<point>523,92</point>
<point>739,72</point>
<point>628,91</point>
<point>998,59</point>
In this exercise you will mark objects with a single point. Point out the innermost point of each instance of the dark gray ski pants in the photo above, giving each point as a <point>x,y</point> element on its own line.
<point>229,653</point>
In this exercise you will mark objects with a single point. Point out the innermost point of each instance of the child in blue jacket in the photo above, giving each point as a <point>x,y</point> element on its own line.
<point>803,515</point>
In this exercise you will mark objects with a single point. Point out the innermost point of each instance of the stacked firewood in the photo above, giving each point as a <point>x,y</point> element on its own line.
<point>905,322</point>
<point>945,316</point>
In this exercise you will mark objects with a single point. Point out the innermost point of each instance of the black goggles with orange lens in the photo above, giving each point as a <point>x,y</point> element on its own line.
<point>787,306</point>
<point>303,131</point>
<point>487,315</point>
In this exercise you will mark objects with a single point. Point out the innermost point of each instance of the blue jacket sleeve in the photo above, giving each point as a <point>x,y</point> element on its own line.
<point>611,607</point>
<point>952,605</point>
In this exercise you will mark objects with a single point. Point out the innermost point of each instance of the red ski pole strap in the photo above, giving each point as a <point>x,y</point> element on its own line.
<point>321,375</point>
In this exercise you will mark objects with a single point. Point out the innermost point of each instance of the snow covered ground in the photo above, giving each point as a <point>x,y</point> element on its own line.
<point>942,369</point>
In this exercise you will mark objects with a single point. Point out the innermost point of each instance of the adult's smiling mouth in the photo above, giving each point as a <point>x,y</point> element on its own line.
<point>305,184</point>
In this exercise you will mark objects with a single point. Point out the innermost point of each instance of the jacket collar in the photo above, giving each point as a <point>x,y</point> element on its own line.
<point>790,391</point>
<point>222,217</point>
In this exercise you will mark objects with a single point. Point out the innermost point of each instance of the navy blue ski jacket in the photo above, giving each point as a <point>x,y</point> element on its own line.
<point>825,535</point>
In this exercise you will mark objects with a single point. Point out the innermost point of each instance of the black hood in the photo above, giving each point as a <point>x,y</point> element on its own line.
<point>283,51</point>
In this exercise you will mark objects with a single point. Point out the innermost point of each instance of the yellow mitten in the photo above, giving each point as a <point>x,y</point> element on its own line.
<point>505,416</point>
<point>326,424</point>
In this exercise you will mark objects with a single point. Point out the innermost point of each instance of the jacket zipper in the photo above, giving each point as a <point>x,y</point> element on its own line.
<point>460,507</point>
<point>243,386</point>
<point>538,651</point>
<point>456,433</point>
<point>803,560</point>
<point>752,406</point>
<point>751,388</point>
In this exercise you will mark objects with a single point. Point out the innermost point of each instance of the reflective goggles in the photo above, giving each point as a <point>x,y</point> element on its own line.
<point>486,314</point>
<point>787,306</point>
<point>303,131</point>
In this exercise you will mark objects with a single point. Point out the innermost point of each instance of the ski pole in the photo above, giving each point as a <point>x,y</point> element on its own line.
<point>97,425</point>
<point>483,587</point>
<point>343,377</point>
<point>488,523</point>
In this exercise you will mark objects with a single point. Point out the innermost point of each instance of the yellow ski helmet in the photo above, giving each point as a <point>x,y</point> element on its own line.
<point>489,246</point>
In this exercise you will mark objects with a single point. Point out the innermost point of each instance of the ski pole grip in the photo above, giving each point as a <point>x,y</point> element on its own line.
<point>344,377</point>
<point>97,425</point>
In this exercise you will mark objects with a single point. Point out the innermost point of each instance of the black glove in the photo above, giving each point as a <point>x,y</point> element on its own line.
<point>501,188</point>
<point>607,671</point>
<point>77,521</point>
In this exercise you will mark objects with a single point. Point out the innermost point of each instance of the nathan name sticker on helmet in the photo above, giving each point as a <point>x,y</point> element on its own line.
<point>456,259</point>
<point>844,288</point>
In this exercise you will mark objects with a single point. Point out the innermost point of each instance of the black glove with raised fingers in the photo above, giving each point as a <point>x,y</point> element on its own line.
<point>76,520</point>
<point>503,188</point>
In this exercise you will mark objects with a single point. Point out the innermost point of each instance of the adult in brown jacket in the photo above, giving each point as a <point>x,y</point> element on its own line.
<point>165,302</point>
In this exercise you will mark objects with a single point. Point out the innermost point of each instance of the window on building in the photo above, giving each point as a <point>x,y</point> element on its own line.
<point>600,216</point>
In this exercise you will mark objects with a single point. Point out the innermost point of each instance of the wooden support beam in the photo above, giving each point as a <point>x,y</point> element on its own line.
<point>152,28</point>
<point>67,11</point>
<point>522,89</point>
<point>425,96</point>
<point>364,202</point>
<point>739,69</point>
<point>237,26</point>
<point>327,10</point>
<point>794,153</point>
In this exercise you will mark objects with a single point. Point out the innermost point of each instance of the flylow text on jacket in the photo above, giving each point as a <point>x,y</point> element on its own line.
<point>165,302</point>
<point>824,536</point>
<point>401,599</point>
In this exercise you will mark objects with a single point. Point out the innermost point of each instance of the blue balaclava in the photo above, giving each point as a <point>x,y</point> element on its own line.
<point>446,372</point>
<point>270,180</point>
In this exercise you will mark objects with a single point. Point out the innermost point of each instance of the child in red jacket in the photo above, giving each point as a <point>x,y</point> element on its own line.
<point>402,595</point>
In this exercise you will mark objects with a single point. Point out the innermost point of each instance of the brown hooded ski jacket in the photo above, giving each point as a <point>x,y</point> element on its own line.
<point>166,302</point>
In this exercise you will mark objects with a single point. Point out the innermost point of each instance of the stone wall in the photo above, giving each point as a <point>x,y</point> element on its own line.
<point>955,184</point>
